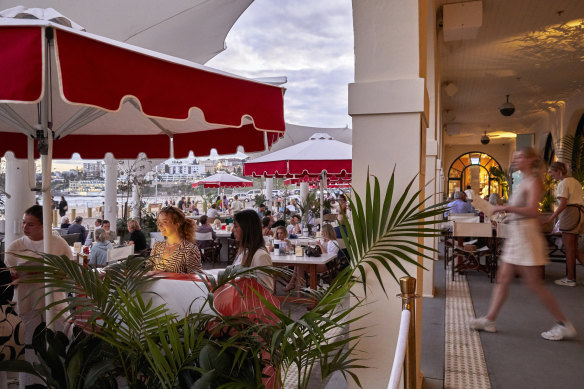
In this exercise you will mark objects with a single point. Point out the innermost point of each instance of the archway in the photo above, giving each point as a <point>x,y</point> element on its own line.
<point>473,168</point>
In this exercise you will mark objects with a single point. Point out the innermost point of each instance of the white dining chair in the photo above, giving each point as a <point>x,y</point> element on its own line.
<point>118,253</point>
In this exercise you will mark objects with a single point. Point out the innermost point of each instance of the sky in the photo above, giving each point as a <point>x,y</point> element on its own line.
<point>308,41</point>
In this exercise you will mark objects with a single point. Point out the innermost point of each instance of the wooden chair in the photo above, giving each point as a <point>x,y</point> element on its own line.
<point>472,254</point>
<point>209,248</point>
<point>71,238</point>
<point>329,218</point>
<point>231,250</point>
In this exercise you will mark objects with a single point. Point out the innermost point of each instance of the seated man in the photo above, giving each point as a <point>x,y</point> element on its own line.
<point>459,205</point>
<point>205,227</point>
<point>212,212</point>
<point>65,222</point>
<point>294,228</point>
<point>77,227</point>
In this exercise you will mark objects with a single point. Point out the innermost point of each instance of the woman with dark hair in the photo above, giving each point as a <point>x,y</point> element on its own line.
<point>178,252</point>
<point>266,230</point>
<point>252,252</point>
<point>63,206</point>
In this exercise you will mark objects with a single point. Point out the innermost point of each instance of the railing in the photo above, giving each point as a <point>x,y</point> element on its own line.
<point>405,351</point>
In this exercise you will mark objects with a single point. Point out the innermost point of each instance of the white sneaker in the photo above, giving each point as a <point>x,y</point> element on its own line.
<point>560,331</point>
<point>565,282</point>
<point>482,324</point>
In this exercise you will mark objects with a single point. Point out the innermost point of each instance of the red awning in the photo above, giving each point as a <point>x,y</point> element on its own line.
<point>128,100</point>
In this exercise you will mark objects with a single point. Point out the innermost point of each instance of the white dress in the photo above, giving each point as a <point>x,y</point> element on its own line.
<point>525,244</point>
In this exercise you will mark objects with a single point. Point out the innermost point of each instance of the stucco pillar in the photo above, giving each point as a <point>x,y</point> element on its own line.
<point>136,206</point>
<point>269,187</point>
<point>388,102</point>
<point>303,191</point>
<point>21,197</point>
<point>111,189</point>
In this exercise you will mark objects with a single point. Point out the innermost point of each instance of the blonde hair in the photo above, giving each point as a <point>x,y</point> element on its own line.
<point>328,232</point>
<point>530,153</point>
<point>134,224</point>
<point>100,235</point>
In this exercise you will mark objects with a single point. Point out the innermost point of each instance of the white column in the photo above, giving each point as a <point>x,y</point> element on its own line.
<point>303,191</point>
<point>21,197</point>
<point>111,189</point>
<point>388,103</point>
<point>135,202</point>
<point>269,187</point>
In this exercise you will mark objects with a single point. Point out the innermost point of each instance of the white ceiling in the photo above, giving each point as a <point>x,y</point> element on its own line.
<point>532,50</point>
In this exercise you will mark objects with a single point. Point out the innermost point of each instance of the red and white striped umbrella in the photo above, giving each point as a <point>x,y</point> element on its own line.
<point>223,180</point>
<point>96,96</point>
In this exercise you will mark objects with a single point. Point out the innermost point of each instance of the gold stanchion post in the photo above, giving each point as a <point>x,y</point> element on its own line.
<point>408,295</point>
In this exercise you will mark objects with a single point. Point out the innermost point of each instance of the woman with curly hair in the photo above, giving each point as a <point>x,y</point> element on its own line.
<point>178,252</point>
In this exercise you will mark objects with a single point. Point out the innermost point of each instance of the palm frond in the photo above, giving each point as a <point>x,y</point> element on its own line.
<point>387,240</point>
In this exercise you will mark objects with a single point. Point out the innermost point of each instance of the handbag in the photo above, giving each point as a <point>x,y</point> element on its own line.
<point>313,251</point>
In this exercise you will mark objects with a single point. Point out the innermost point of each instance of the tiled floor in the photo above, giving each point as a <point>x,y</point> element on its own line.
<point>465,365</point>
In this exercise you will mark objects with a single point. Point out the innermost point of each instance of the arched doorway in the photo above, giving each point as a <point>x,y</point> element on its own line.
<point>473,169</point>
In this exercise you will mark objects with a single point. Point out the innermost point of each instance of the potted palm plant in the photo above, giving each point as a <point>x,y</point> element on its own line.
<point>151,348</point>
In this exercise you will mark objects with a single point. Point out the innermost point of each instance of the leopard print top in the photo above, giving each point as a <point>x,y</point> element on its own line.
<point>186,258</point>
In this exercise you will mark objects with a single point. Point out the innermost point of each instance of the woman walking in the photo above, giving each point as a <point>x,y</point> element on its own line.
<point>571,218</point>
<point>524,250</point>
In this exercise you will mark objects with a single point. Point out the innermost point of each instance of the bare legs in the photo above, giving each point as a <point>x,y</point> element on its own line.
<point>532,279</point>
<point>571,245</point>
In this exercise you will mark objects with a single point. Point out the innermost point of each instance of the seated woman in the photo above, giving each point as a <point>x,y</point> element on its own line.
<point>332,247</point>
<point>266,230</point>
<point>193,210</point>
<point>281,234</point>
<point>177,253</point>
<point>98,253</point>
<point>205,227</point>
<point>251,251</point>
<point>330,238</point>
<point>65,222</point>
<point>137,237</point>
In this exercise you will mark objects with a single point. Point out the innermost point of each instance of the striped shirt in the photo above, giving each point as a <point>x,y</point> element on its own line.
<point>186,258</point>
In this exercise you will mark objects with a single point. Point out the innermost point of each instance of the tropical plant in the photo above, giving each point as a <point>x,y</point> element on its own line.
<point>153,348</point>
<point>502,177</point>
<point>259,200</point>
<point>571,148</point>
<point>548,199</point>
<point>308,207</point>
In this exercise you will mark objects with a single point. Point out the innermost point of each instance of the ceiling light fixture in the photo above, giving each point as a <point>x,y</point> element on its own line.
<point>507,109</point>
<point>485,139</point>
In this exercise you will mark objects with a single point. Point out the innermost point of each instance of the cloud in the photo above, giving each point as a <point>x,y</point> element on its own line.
<point>310,42</point>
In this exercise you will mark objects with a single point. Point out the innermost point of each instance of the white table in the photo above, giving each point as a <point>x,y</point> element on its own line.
<point>310,262</point>
<point>222,236</point>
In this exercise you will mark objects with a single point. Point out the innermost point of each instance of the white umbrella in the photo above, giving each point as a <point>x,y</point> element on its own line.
<point>318,157</point>
<point>223,180</point>
<point>152,24</point>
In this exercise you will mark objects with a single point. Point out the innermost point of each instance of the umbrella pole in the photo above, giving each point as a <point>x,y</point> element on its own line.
<point>46,161</point>
<point>322,178</point>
